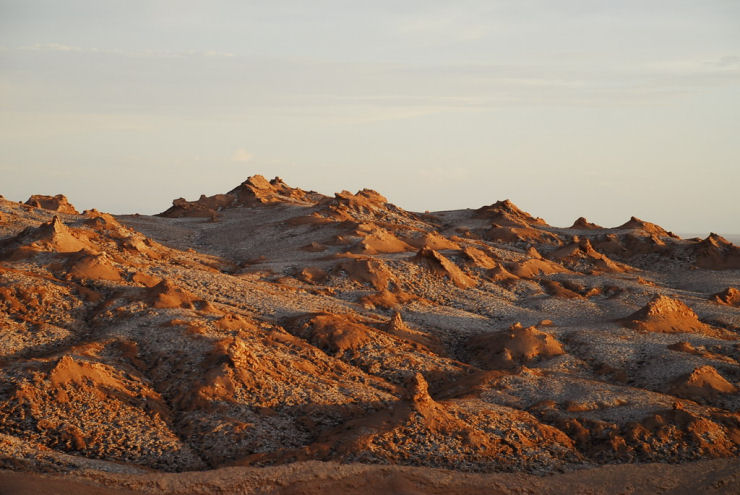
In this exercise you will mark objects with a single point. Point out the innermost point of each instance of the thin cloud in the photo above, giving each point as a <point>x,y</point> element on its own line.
<point>60,47</point>
<point>241,155</point>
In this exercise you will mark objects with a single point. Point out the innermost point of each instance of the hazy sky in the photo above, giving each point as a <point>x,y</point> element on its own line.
<point>599,108</point>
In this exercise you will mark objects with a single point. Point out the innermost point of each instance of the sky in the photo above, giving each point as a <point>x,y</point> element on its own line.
<point>569,108</point>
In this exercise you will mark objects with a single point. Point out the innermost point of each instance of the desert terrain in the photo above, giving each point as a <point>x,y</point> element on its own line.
<point>277,340</point>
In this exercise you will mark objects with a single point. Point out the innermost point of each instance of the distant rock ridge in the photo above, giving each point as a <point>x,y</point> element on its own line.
<point>254,191</point>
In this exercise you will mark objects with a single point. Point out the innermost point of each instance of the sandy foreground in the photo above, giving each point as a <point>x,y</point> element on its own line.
<point>306,478</point>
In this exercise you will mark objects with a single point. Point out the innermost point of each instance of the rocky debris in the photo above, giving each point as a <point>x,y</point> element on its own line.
<point>677,434</point>
<point>95,410</point>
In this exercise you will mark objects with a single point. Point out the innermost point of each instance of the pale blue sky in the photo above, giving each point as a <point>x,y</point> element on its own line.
<point>597,108</point>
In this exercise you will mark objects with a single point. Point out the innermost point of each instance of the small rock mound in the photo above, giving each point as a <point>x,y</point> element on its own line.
<point>101,221</point>
<point>534,267</point>
<point>506,213</point>
<point>367,271</point>
<point>168,295</point>
<point>704,383</point>
<point>377,240</point>
<point>54,203</point>
<point>514,347</point>
<point>729,297</point>
<point>53,236</point>
<point>635,223</point>
<point>582,224</point>
<point>443,267</point>
<point>335,333</point>
<point>664,314</point>
<point>87,265</point>
<point>717,253</point>
<point>365,200</point>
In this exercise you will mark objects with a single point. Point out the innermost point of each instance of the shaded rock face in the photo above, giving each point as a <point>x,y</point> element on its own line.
<point>297,326</point>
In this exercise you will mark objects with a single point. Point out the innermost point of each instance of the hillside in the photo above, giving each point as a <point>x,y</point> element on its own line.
<point>271,325</point>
